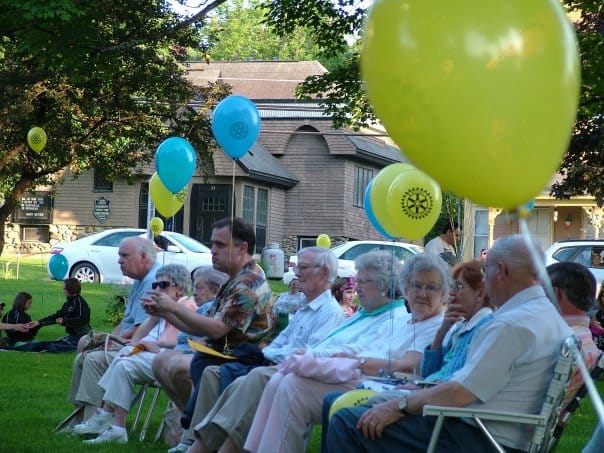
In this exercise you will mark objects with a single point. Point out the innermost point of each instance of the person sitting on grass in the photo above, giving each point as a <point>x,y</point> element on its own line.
<point>18,315</point>
<point>74,315</point>
<point>133,364</point>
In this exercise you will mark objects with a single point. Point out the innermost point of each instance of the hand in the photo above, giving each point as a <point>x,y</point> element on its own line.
<point>373,421</point>
<point>157,302</point>
<point>345,355</point>
<point>149,346</point>
<point>60,321</point>
<point>20,327</point>
<point>453,314</point>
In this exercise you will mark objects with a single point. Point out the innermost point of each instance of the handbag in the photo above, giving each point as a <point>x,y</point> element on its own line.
<point>329,370</point>
<point>95,340</point>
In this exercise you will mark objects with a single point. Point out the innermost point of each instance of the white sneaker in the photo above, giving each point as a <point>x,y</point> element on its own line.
<point>179,448</point>
<point>110,435</point>
<point>94,425</point>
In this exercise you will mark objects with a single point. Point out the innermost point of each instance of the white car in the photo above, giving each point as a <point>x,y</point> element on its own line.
<point>94,258</point>
<point>579,251</point>
<point>349,251</point>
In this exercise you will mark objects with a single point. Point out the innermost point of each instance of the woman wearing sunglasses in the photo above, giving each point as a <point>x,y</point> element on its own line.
<point>132,366</point>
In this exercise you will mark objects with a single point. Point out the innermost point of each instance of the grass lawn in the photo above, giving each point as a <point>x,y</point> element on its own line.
<point>33,386</point>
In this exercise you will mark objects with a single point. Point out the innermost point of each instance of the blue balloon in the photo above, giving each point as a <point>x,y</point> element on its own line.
<point>370,214</point>
<point>236,125</point>
<point>175,162</point>
<point>58,266</point>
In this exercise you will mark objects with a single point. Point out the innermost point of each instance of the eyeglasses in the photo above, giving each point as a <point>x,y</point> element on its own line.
<point>162,285</point>
<point>363,281</point>
<point>458,287</point>
<point>429,288</point>
<point>303,267</point>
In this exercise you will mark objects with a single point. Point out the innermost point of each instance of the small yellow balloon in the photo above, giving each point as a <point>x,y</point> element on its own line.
<point>350,399</point>
<point>486,105</point>
<point>323,241</point>
<point>36,138</point>
<point>157,225</point>
<point>166,203</point>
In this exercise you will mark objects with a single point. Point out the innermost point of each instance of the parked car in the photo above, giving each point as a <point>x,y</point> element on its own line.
<point>348,252</point>
<point>588,252</point>
<point>94,258</point>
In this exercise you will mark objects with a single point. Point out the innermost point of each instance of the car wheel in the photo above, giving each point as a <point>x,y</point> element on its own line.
<point>86,273</point>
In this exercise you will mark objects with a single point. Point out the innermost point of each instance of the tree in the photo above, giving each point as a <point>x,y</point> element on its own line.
<point>103,79</point>
<point>342,93</point>
<point>583,165</point>
<point>236,31</point>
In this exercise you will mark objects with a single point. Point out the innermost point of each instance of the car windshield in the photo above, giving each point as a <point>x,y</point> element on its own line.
<point>190,244</point>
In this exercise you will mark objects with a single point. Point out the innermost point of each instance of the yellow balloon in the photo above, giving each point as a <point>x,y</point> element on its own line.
<point>414,202</point>
<point>166,203</point>
<point>482,98</point>
<point>157,225</point>
<point>36,138</point>
<point>379,192</point>
<point>351,398</point>
<point>323,241</point>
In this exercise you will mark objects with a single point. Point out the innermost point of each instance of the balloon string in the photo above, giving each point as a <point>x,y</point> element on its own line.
<point>233,210</point>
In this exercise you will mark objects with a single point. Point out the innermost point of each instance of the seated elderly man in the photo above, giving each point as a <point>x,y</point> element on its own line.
<point>509,367</point>
<point>133,364</point>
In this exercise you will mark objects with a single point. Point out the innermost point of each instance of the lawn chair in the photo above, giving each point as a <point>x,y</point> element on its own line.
<point>574,404</point>
<point>544,422</point>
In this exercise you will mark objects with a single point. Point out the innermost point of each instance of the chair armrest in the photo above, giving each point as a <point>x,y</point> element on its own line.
<point>484,414</point>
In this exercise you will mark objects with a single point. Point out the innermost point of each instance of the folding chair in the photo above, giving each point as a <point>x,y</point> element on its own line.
<point>574,403</point>
<point>543,423</point>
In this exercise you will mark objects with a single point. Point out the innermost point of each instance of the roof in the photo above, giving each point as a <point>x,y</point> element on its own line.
<point>256,79</point>
<point>377,150</point>
<point>261,165</point>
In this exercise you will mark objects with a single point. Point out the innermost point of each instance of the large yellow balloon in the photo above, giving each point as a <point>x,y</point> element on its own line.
<point>414,202</point>
<point>351,398</point>
<point>36,138</point>
<point>482,97</point>
<point>166,203</point>
<point>379,192</point>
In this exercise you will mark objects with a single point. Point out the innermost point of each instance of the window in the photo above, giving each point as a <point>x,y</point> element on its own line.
<point>248,204</point>
<point>362,176</point>
<point>481,231</point>
<point>255,212</point>
<point>35,233</point>
<point>261,218</point>
<point>101,183</point>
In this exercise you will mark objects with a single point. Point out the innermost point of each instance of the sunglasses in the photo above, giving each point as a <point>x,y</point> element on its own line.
<point>161,285</point>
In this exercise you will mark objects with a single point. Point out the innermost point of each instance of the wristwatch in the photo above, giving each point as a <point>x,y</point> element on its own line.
<point>362,362</point>
<point>402,405</point>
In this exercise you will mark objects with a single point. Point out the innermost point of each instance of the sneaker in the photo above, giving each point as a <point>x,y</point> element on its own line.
<point>95,424</point>
<point>110,435</point>
<point>179,448</point>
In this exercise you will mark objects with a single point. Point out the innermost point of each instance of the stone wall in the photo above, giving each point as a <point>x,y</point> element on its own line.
<point>65,233</point>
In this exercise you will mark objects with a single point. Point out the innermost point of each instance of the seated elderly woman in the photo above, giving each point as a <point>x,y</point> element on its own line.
<point>291,403</point>
<point>133,364</point>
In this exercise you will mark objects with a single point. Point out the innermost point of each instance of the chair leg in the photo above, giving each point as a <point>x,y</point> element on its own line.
<point>140,396</point>
<point>435,433</point>
<point>145,427</point>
